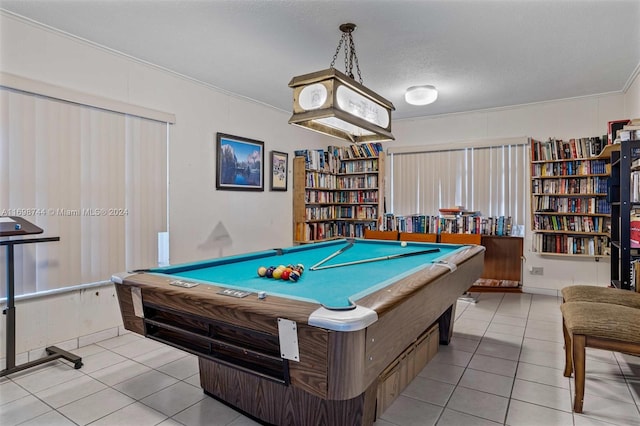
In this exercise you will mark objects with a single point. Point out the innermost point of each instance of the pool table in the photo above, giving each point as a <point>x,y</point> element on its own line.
<point>306,352</point>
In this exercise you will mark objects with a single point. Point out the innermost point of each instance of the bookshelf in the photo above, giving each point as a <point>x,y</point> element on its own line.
<point>570,214</point>
<point>338,192</point>
<point>624,195</point>
<point>502,258</point>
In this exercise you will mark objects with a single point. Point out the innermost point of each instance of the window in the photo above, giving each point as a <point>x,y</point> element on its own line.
<point>94,177</point>
<point>488,177</point>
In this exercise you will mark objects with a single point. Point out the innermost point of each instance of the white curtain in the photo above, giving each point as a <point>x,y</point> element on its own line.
<point>95,178</point>
<point>489,179</point>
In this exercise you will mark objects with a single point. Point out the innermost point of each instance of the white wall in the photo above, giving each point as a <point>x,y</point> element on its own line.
<point>632,97</point>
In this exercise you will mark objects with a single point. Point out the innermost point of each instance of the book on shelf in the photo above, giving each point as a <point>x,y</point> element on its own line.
<point>450,224</point>
<point>329,160</point>
<point>452,210</point>
<point>634,229</point>
<point>557,149</point>
<point>634,184</point>
<point>634,124</point>
<point>569,244</point>
<point>363,150</point>
<point>613,127</point>
<point>629,134</point>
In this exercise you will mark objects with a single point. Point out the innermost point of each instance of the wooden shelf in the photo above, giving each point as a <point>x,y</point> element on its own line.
<point>573,214</point>
<point>591,256</point>
<point>569,176</point>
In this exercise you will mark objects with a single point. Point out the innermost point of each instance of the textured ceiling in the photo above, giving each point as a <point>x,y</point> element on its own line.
<point>479,54</point>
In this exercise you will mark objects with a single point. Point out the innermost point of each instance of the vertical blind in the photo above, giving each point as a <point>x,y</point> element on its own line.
<point>95,178</point>
<point>488,179</point>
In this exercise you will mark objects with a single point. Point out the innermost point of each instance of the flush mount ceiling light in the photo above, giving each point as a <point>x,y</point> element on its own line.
<point>333,103</point>
<point>421,95</point>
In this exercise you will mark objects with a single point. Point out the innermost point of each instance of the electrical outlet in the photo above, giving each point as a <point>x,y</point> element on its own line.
<point>537,270</point>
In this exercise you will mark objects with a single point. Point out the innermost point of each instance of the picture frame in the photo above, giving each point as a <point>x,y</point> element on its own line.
<point>239,163</point>
<point>279,170</point>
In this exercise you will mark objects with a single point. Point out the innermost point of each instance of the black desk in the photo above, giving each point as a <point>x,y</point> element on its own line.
<point>23,227</point>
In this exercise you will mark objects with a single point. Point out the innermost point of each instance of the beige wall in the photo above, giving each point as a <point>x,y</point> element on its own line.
<point>253,220</point>
<point>632,98</point>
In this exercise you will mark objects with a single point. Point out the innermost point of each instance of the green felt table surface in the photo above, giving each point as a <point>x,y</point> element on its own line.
<point>335,287</point>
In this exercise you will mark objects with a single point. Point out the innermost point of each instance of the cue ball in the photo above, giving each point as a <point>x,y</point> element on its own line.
<point>403,244</point>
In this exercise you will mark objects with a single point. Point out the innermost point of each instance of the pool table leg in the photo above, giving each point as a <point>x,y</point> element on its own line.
<point>445,324</point>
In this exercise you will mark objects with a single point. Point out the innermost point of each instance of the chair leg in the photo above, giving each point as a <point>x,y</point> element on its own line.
<point>568,363</point>
<point>578,349</point>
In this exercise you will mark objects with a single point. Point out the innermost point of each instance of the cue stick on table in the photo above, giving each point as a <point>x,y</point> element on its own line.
<point>331,256</point>
<point>377,259</point>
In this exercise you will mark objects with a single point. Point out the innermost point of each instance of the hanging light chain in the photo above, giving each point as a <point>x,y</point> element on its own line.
<point>349,54</point>
<point>335,56</point>
<point>353,58</point>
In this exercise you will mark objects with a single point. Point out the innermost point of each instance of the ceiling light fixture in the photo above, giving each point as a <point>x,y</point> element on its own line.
<point>333,103</point>
<point>421,95</point>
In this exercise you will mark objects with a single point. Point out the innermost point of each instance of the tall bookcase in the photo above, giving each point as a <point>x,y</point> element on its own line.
<point>340,197</point>
<point>570,212</point>
<point>624,196</point>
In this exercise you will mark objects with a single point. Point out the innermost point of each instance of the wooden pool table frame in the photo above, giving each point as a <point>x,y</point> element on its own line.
<point>336,379</point>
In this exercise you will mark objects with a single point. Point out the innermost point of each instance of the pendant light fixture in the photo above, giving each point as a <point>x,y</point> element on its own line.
<point>334,103</point>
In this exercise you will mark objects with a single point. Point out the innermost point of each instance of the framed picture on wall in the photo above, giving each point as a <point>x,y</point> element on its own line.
<point>240,163</point>
<point>279,167</point>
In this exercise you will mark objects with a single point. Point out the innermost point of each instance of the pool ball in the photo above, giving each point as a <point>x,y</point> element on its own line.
<point>285,274</point>
<point>277,273</point>
<point>294,276</point>
<point>269,273</point>
<point>403,244</point>
<point>262,271</point>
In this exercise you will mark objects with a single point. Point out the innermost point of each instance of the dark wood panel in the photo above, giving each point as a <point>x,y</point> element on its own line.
<point>310,374</point>
<point>503,258</point>
<point>130,321</point>
<point>401,326</point>
<point>346,364</point>
<point>284,405</point>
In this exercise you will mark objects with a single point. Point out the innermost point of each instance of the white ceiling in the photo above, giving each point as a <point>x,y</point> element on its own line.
<point>478,53</point>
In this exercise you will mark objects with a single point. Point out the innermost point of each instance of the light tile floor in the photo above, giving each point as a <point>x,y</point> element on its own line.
<point>503,367</point>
